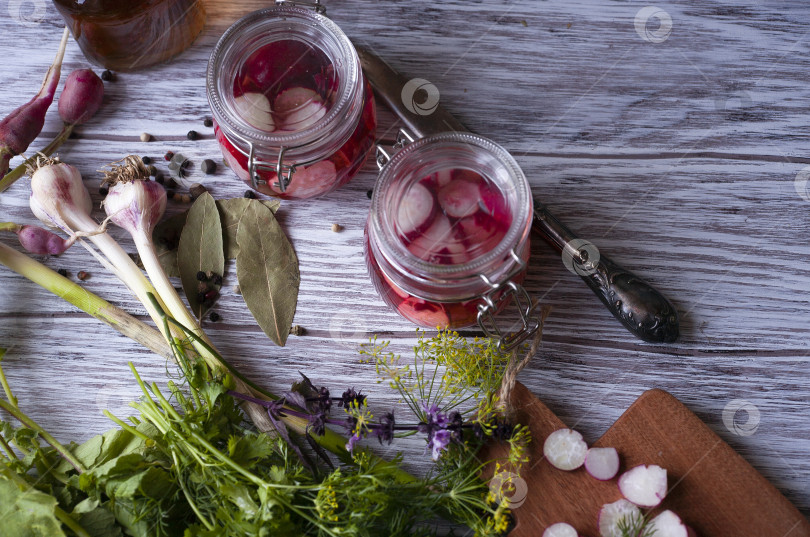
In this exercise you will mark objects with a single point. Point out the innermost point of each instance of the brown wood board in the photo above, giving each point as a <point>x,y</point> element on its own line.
<point>712,488</point>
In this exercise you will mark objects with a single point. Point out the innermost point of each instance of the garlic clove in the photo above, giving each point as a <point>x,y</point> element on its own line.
<point>59,197</point>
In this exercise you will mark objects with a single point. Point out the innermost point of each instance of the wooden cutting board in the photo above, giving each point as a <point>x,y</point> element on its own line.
<point>712,488</point>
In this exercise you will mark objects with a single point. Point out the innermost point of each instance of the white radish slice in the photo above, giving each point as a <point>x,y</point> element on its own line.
<point>565,449</point>
<point>434,239</point>
<point>304,117</point>
<point>292,99</point>
<point>602,463</point>
<point>443,177</point>
<point>560,529</point>
<point>310,181</point>
<point>613,515</point>
<point>667,524</point>
<point>415,211</point>
<point>644,485</point>
<point>459,198</point>
<point>255,109</point>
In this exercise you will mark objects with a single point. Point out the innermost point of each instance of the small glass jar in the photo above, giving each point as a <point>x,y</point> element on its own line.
<point>133,34</point>
<point>447,238</point>
<point>293,113</point>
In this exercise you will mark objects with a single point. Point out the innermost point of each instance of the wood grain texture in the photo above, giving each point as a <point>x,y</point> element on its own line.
<point>677,158</point>
<point>710,486</point>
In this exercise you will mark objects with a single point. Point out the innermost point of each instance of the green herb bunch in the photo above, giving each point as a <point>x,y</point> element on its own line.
<point>189,464</point>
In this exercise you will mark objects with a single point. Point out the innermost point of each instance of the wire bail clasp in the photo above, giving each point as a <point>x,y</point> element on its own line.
<point>254,166</point>
<point>499,294</point>
<point>383,155</point>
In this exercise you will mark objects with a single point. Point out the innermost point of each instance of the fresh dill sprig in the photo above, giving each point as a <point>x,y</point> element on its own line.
<point>636,525</point>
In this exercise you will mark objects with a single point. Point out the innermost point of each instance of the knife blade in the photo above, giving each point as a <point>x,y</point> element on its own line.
<point>642,309</point>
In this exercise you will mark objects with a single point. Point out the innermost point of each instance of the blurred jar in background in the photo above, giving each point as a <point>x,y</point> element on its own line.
<point>125,35</point>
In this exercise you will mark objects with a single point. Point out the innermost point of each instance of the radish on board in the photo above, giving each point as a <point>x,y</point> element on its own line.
<point>614,515</point>
<point>255,109</point>
<point>415,211</point>
<point>602,463</point>
<point>560,529</point>
<point>644,485</point>
<point>565,449</point>
<point>667,524</point>
<point>459,198</point>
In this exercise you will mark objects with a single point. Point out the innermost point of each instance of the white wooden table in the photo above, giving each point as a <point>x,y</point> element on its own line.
<point>677,150</point>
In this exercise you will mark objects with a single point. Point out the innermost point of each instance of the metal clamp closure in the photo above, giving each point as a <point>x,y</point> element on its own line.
<point>384,155</point>
<point>499,294</point>
<point>254,166</point>
<point>316,5</point>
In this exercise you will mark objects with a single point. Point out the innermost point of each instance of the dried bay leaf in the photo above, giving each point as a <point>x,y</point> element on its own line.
<point>231,212</point>
<point>166,237</point>
<point>267,269</point>
<point>200,249</point>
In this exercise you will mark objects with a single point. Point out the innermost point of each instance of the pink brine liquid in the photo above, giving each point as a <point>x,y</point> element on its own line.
<point>448,218</point>
<point>288,86</point>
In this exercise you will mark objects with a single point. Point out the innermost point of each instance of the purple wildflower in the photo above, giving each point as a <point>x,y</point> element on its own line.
<point>350,396</point>
<point>384,431</point>
<point>435,427</point>
<point>441,439</point>
<point>352,441</point>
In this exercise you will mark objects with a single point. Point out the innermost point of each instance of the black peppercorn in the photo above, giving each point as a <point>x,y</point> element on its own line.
<point>201,275</point>
<point>250,195</point>
<point>369,193</point>
<point>208,166</point>
<point>217,279</point>
<point>103,191</point>
<point>146,160</point>
<point>107,75</point>
<point>192,135</point>
<point>62,272</point>
<point>159,177</point>
<point>208,122</point>
<point>214,316</point>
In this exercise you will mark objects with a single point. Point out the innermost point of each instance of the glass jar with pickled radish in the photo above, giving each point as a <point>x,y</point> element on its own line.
<point>293,113</point>
<point>447,238</point>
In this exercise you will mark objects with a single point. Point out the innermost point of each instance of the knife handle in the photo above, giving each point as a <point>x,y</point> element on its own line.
<point>643,310</point>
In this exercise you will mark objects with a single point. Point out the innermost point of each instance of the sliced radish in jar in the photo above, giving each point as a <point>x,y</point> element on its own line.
<point>565,449</point>
<point>667,524</point>
<point>424,313</point>
<point>560,529</point>
<point>443,177</point>
<point>255,109</point>
<point>293,99</point>
<point>304,117</point>
<point>310,181</point>
<point>459,198</point>
<point>494,203</point>
<point>615,515</point>
<point>415,211</point>
<point>602,463</point>
<point>392,286</point>
<point>644,485</point>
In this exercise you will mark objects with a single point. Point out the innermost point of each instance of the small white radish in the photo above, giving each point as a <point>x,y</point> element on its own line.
<point>443,177</point>
<point>415,211</point>
<point>667,524</point>
<point>459,198</point>
<point>644,485</point>
<point>602,463</point>
<point>255,109</point>
<point>560,529</point>
<point>565,449</point>
<point>616,514</point>
<point>299,108</point>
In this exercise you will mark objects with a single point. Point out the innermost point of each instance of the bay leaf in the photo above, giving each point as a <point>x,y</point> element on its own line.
<point>231,212</point>
<point>166,237</point>
<point>267,270</point>
<point>200,249</point>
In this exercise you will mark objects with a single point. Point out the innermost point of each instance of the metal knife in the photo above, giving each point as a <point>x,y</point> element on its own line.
<point>642,309</point>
